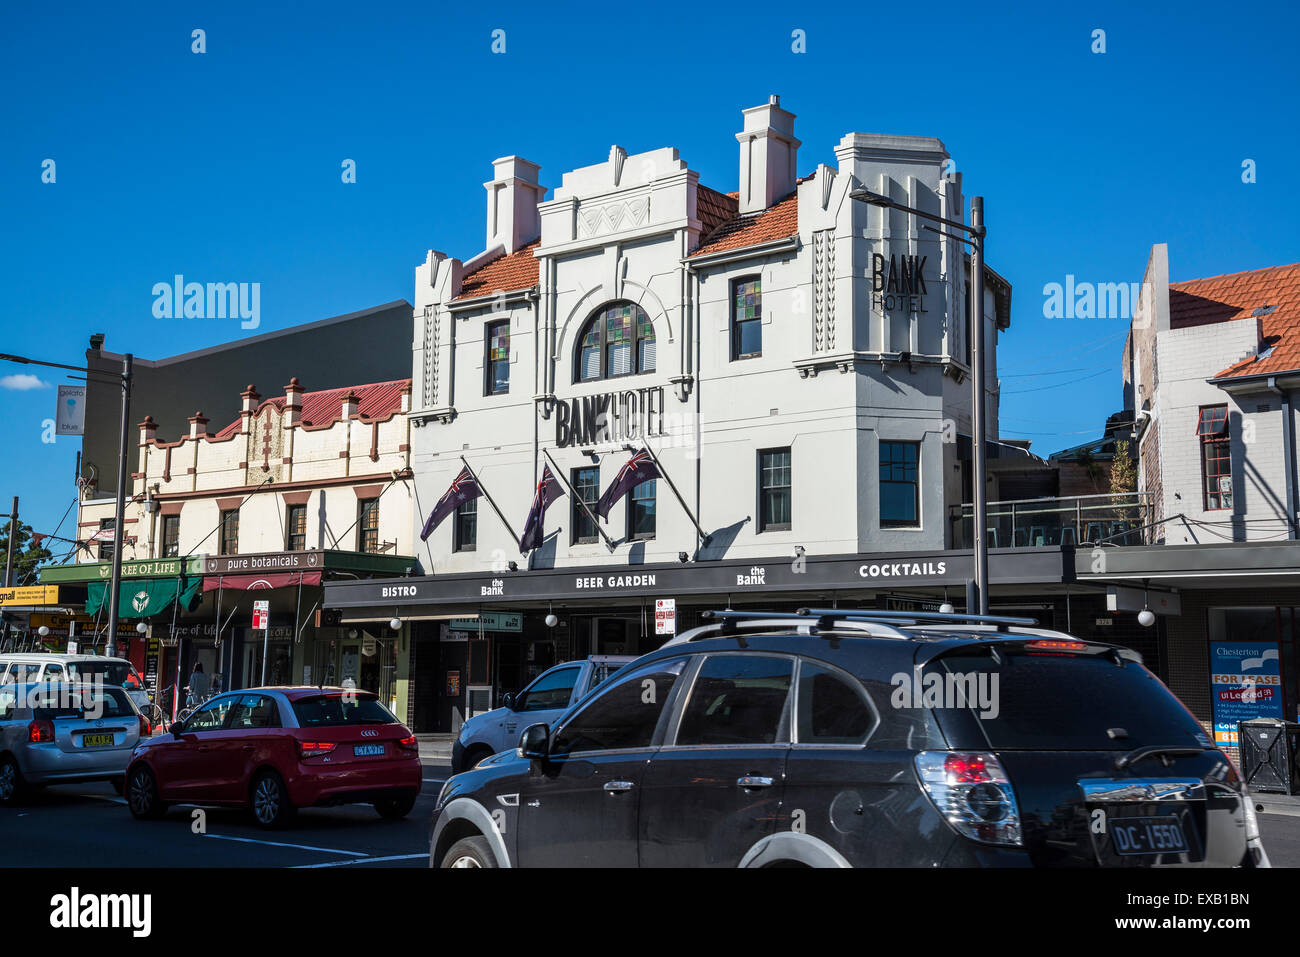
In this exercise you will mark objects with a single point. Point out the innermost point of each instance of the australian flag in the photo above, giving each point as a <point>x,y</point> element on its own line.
<point>462,490</point>
<point>548,490</point>
<point>639,468</point>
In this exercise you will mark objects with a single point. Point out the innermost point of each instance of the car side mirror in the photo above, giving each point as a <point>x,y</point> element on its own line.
<point>535,742</point>
<point>178,728</point>
<point>508,701</point>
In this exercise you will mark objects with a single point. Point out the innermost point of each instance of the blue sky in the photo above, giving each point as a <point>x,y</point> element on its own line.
<point>225,166</point>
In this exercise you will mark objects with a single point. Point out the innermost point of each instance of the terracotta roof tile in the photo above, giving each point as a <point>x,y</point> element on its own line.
<point>779,221</point>
<point>375,401</point>
<point>713,208</point>
<point>1236,296</point>
<point>508,273</point>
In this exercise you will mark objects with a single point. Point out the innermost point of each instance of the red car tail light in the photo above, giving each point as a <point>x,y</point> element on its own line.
<point>409,743</point>
<point>973,793</point>
<point>39,732</point>
<point>314,749</point>
<point>1051,644</point>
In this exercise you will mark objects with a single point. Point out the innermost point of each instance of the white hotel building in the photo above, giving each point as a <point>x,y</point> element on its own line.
<point>797,360</point>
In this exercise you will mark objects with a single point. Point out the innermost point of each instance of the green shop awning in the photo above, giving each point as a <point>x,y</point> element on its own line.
<point>145,597</point>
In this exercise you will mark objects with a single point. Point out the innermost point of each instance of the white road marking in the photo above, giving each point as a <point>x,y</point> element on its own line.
<point>301,847</point>
<point>1280,810</point>
<point>103,797</point>
<point>362,860</point>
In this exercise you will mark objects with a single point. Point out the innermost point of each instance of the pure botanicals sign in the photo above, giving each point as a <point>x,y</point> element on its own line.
<point>1245,682</point>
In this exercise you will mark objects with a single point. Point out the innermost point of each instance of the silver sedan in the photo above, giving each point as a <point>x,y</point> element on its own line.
<point>60,733</point>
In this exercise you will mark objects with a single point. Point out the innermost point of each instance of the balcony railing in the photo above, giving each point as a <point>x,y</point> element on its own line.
<point>1072,520</point>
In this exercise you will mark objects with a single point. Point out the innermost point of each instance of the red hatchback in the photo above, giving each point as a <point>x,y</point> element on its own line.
<point>276,750</point>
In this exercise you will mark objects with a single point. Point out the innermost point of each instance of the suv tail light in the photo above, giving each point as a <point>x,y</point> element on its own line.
<point>314,749</point>
<point>973,793</point>
<point>40,731</point>
<point>1056,645</point>
<point>409,743</point>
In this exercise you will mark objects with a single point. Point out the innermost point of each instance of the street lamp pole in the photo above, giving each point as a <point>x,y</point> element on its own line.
<point>975,229</point>
<point>124,381</point>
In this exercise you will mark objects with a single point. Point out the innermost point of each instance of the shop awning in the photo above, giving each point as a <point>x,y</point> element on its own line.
<point>145,597</point>
<point>258,582</point>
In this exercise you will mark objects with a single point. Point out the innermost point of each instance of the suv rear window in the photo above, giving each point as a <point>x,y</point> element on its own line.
<point>333,710</point>
<point>1061,703</point>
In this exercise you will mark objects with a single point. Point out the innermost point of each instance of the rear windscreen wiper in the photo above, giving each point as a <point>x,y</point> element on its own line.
<point>1151,750</point>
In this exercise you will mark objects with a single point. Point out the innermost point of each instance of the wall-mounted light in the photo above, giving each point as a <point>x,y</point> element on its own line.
<point>683,557</point>
<point>551,620</point>
<point>42,631</point>
<point>395,623</point>
<point>141,628</point>
<point>513,566</point>
<point>946,609</point>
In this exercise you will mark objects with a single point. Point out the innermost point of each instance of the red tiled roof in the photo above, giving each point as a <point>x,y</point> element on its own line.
<point>507,273</point>
<point>713,209</point>
<point>776,222</point>
<point>1227,298</point>
<point>376,401</point>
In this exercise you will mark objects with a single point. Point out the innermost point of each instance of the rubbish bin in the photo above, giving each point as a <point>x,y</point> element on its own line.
<point>1268,754</point>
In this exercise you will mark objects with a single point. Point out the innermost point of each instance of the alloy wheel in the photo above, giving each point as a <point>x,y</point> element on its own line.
<point>141,793</point>
<point>266,800</point>
<point>466,860</point>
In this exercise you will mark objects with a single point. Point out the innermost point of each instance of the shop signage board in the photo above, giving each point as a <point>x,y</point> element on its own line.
<point>103,571</point>
<point>30,595</point>
<point>490,621</point>
<point>665,616</point>
<point>1245,683</point>
<point>309,560</point>
<point>70,417</point>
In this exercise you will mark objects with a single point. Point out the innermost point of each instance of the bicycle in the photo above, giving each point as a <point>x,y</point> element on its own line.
<point>189,709</point>
<point>159,710</point>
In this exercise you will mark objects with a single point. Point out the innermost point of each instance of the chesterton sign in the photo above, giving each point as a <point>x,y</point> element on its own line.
<point>900,285</point>
<point>609,417</point>
<point>264,562</point>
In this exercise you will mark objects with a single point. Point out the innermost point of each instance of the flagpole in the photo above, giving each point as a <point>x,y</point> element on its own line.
<point>482,488</point>
<point>704,536</point>
<point>585,507</point>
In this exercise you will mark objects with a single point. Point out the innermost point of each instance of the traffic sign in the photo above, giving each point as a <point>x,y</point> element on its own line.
<point>261,615</point>
<point>665,616</point>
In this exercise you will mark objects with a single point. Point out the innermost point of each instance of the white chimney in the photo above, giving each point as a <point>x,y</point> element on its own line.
<point>513,195</point>
<point>767,155</point>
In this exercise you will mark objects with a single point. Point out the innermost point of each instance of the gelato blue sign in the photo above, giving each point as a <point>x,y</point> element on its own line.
<point>1245,683</point>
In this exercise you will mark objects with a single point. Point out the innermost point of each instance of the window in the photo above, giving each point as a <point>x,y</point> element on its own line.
<point>738,699</point>
<point>496,363</point>
<point>549,691</point>
<point>586,486</point>
<point>831,708</point>
<point>171,544</point>
<point>53,673</point>
<point>296,529</point>
<point>465,529</point>
<point>746,318</point>
<point>618,340</point>
<point>900,486</point>
<point>624,715</point>
<point>337,710</point>
<point>368,525</point>
<point>641,511</point>
<point>106,547</point>
<point>1216,457</point>
<point>255,711</point>
<point>773,490</point>
<point>211,717</point>
<point>230,532</point>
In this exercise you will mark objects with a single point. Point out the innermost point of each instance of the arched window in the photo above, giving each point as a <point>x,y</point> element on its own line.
<point>618,340</point>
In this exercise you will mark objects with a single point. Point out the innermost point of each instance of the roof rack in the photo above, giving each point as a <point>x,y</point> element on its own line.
<point>730,622</point>
<point>936,617</point>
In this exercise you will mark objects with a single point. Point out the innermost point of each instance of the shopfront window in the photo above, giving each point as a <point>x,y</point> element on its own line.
<point>586,483</point>
<point>641,512</point>
<point>466,526</point>
<point>773,490</point>
<point>900,484</point>
<point>230,532</point>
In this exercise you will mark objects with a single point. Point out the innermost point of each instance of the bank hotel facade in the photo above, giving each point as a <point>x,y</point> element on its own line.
<point>797,362</point>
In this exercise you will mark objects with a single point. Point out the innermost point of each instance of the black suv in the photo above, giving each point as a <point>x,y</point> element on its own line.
<point>835,738</point>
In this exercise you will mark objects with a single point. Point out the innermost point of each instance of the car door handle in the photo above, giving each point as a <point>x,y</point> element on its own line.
<point>754,781</point>
<point>618,787</point>
<point>247,747</point>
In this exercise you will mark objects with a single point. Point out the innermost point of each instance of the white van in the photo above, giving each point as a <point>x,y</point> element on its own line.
<point>33,667</point>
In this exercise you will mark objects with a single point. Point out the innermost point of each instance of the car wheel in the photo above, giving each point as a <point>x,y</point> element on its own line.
<point>395,809</point>
<point>11,782</point>
<point>270,801</point>
<point>470,852</point>
<point>142,795</point>
<point>119,784</point>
